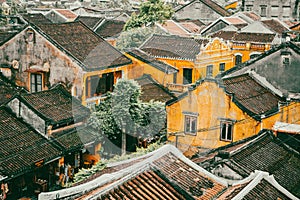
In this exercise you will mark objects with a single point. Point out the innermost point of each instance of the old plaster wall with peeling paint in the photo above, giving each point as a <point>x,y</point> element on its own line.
<point>35,54</point>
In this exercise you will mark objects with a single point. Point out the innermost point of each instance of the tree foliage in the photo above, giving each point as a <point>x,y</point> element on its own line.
<point>136,36</point>
<point>122,111</point>
<point>150,12</point>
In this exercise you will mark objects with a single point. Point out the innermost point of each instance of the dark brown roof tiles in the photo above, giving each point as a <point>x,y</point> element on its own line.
<point>172,47</point>
<point>143,56</point>
<point>86,46</point>
<point>7,89</point>
<point>21,146</point>
<point>110,28</point>
<point>275,25</point>
<point>56,105</point>
<point>251,96</point>
<point>36,19</point>
<point>90,21</point>
<point>152,90</point>
<point>244,37</point>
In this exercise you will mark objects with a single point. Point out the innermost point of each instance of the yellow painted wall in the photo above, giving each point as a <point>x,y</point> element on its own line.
<point>214,53</point>
<point>232,5</point>
<point>247,49</point>
<point>211,103</point>
<point>139,68</point>
<point>124,70</point>
<point>180,65</point>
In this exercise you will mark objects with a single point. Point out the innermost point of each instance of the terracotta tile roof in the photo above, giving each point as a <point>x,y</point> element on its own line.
<point>67,13</point>
<point>235,20</point>
<point>187,178</point>
<point>174,28</point>
<point>110,28</point>
<point>36,19</point>
<point>174,178</point>
<point>143,56</point>
<point>245,37</point>
<point>90,21</point>
<point>214,6</point>
<point>275,25</point>
<point>146,185</point>
<point>162,174</point>
<point>252,15</point>
<point>266,153</point>
<point>182,47</point>
<point>21,146</point>
<point>7,89</point>
<point>251,96</point>
<point>151,90</point>
<point>84,45</point>
<point>56,105</point>
<point>291,24</point>
<point>191,27</point>
<point>259,185</point>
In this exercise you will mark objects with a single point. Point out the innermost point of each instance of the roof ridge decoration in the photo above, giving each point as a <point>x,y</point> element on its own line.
<point>263,82</point>
<point>225,12</point>
<point>138,167</point>
<point>254,179</point>
<point>264,134</point>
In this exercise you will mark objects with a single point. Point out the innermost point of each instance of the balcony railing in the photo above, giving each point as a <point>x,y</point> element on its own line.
<point>92,101</point>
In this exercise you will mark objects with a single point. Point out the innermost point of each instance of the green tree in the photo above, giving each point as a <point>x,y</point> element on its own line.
<point>150,12</point>
<point>123,118</point>
<point>136,36</point>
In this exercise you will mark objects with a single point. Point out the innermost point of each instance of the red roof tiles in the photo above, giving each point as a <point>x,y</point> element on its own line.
<point>67,13</point>
<point>275,25</point>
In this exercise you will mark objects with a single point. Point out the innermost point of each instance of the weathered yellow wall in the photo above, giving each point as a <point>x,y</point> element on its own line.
<point>124,70</point>
<point>214,53</point>
<point>180,65</point>
<point>232,5</point>
<point>212,103</point>
<point>139,68</point>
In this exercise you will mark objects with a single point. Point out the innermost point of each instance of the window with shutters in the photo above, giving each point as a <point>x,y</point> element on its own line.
<point>36,82</point>
<point>226,130</point>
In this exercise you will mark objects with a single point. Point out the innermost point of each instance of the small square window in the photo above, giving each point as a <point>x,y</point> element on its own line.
<point>190,124</point>
<point>35,82</point>
<point>222,67</point>
<point>263,11</point>
<point>209,71</point>
<point>286,61</point>
<point>238,59</point>
<point>226,130</point>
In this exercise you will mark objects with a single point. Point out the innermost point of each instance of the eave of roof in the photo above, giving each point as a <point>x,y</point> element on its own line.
<point>77,60</point>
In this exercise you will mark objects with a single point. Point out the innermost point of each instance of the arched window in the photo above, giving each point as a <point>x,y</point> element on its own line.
<point>238,59</point>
